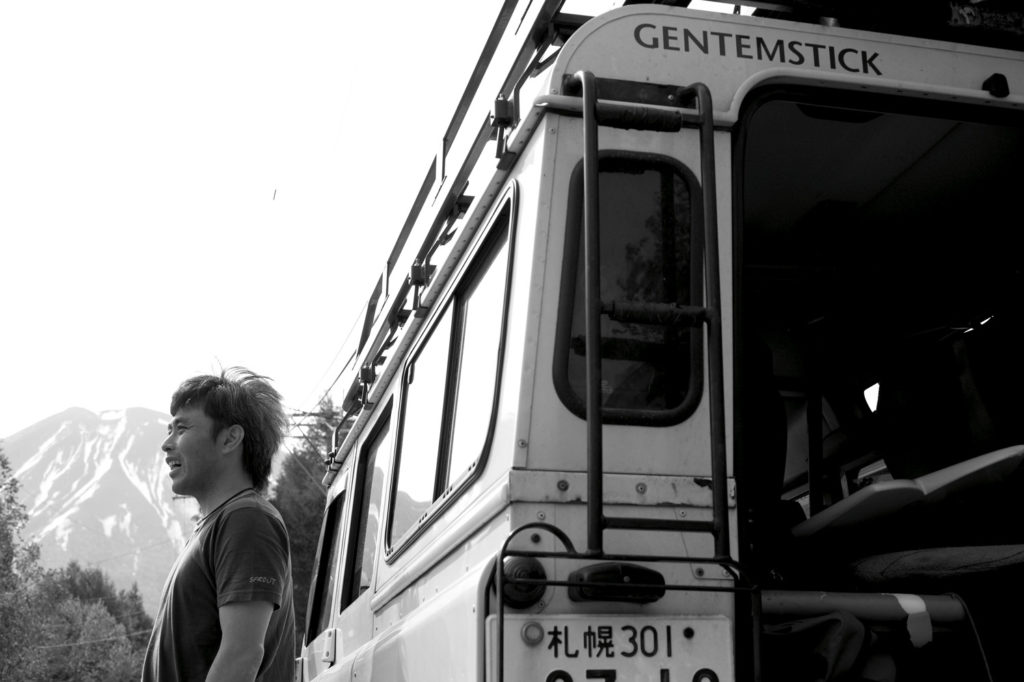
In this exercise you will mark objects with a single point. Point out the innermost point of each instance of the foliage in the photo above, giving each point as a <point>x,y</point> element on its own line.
<point>17,631</point>
<point>24,610</point>
<point>14,554</point>
<point>300,496</point>
<point>83,641</point>
<point>93,586</point>
<point>66,624</point>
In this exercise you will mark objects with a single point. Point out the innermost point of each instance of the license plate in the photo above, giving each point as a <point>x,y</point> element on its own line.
<point>541,648</point>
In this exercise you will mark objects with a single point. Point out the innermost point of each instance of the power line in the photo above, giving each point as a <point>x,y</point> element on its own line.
<point>344,344</point>
<point>313,446</point>
<point>305,469</point>
<point>92,641</point>
<point>127,616</point>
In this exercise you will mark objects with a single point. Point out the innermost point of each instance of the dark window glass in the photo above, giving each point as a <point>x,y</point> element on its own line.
<point>648,366</point>
<point>370,482</point>
<point>326,580</point>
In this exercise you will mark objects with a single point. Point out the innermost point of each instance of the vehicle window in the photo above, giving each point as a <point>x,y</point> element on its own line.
<point>482,316</point>
<point>369,486</point>
<point>326,579</point>
<point>424,403</point>
<point>450,387</point>
<point>649,367</point>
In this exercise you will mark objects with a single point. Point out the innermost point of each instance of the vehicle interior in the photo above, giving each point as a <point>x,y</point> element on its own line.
<point>880,416</point>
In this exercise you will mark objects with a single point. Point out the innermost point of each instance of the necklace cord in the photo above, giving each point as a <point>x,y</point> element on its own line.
<point>202,521</point>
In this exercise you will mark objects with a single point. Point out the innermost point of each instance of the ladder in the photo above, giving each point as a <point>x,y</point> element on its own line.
<point>596,112</point>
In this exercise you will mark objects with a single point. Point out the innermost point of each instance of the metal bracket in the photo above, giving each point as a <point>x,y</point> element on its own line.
<point>419,276</point>
<point>367,375</point>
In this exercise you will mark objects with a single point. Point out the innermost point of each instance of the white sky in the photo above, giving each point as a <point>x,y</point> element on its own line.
<point>141,147</point>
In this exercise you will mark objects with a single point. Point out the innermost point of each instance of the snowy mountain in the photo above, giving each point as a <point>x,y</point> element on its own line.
<point>96,490</point>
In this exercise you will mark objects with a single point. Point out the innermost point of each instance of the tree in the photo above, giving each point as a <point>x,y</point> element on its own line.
<point>93,586</point>
<point>67,624</point>
<point>19,607</point>
<point>24,613</point>
<point>83,641</point>
<point>300,496</point>
<point>14,554</point>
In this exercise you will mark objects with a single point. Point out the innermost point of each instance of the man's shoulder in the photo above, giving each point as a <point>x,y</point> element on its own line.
<point>252,505</point>
<point>250,498</point>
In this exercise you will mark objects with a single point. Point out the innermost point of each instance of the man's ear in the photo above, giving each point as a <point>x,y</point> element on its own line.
<point>231,437</point>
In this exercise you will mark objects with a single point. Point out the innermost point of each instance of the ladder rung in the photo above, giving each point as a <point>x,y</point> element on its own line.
<point>623,114</point>
<point>639,117</point>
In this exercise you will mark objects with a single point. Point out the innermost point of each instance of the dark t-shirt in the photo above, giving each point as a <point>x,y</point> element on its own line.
<point>239,554</point>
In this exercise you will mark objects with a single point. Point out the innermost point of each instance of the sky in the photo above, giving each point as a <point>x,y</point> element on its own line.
<point>186,186</point>
<point>192,185</point>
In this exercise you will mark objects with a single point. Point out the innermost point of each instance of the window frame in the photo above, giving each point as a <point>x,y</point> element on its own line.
<point>331,527</point>
<point>567,292</point>
<point>350,582</point>
<point>486,255</point>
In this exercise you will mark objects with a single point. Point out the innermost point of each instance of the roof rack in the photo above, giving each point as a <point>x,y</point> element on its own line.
<point>521,33</point>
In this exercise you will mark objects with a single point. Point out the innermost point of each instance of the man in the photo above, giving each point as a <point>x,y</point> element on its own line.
<point>226,612</point>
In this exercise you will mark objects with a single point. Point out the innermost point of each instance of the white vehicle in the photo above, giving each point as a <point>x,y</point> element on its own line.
<point>794,238</point>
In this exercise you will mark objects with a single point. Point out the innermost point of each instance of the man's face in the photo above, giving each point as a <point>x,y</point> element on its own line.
<point>191,452</point>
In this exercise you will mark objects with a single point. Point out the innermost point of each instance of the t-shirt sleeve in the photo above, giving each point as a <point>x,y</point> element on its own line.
<point>250,558</point>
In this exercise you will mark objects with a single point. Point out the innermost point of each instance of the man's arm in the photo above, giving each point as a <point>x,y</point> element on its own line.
<point>243,627</point>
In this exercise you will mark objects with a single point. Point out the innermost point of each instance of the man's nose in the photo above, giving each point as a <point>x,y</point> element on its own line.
<point>168,443</point>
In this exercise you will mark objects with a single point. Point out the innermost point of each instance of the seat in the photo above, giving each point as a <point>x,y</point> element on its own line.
<point>881,499</point>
